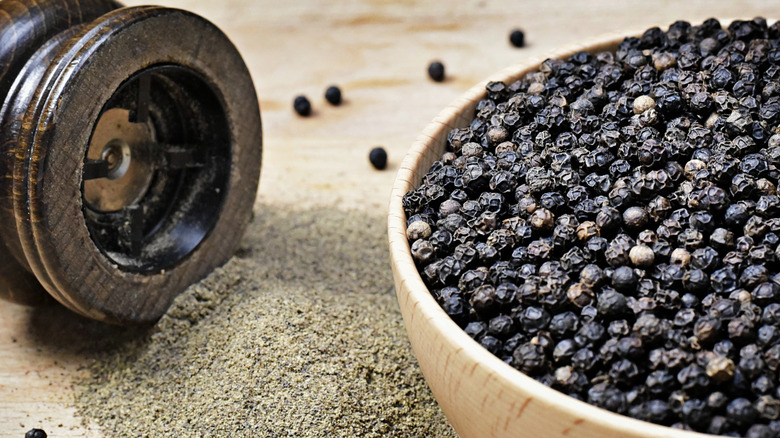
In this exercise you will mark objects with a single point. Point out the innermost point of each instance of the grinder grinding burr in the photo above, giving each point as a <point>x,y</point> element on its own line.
<point>131,148</point>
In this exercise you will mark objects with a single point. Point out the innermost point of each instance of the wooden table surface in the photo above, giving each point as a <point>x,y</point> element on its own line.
<point>378,52</point>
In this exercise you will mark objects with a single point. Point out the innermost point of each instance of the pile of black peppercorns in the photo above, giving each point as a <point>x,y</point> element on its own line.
<point>610,226</point>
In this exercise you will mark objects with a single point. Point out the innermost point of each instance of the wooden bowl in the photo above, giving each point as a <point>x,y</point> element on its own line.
<point>480,394</point>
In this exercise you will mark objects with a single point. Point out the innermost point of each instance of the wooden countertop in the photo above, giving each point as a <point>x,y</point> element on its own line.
<point>378,52</point>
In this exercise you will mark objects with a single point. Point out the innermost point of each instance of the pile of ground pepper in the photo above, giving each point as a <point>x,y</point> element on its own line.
<point>610,225</point>
<point>298,335</point>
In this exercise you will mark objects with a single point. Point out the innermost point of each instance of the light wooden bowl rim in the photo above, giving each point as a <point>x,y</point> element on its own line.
<point>414,297</point>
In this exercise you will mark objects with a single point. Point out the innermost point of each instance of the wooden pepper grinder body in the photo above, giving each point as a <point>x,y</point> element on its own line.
<point>130,149</point>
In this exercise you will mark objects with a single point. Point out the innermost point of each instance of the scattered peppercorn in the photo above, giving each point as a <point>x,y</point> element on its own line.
<point>378,158</point>
<point>35,433</point>
<point>333,95</point>
<point>517,38</point>
<point>615,216</point>
<point>302,106</point>
<point>436,71</point>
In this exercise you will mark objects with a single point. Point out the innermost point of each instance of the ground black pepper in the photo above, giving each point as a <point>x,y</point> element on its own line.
<point>609,226</point>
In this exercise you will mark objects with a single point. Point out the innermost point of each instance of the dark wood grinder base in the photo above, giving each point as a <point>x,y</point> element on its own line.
<point>130,149</point>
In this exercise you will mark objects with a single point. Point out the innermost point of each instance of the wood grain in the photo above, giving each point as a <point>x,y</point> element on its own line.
<point>377,51</point>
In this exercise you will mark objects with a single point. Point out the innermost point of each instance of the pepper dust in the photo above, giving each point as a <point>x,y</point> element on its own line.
<point>298,335</point>
<point>610,226</point>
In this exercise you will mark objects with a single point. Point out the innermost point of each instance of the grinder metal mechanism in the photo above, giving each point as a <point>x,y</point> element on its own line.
<point>130,154</point>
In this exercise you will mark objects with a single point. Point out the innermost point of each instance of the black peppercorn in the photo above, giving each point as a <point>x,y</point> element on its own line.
<point>491,344</point>
<point>423,251</point>
<point>722,238</point>
<point>517,38</point>
<point>501,326</point>
<point>529,357</point>
<point>741,411</point>
<point>759,431</point>
<point>580,295</point>
<point>436,71</point>
<point>563,324</point>
<point>705,259</point>
<point>624,278</point>
<point>768,408</point>
<point>564,351</point>
<point>455,307</point>
<point>483,298</point>
<point>378,158</point>
<point>476,329</point>
<point>690,239</point>
<point>607,218</point>
<point>612,303</point>
<point>534,319</point>
<point>635,217</point>
<point>642,256</point>
<point>542,219</point>
<point>591,275</point>
<point>418,230</point>
<point>618,250</point>
<point>766,292</point>
<point>589,334</point>
<point>333,95</point>
<point>302,106</point>
<point>707,330</point>
<point>720,369</point>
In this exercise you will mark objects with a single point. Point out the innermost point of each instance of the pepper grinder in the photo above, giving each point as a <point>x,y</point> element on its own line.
<point>131,149</point>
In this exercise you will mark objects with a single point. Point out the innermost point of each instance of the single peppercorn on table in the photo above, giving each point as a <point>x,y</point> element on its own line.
<point>378,55</point>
